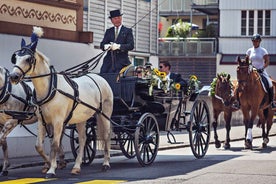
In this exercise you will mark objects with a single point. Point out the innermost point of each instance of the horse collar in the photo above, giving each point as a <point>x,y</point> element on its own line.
<point>51,90</point>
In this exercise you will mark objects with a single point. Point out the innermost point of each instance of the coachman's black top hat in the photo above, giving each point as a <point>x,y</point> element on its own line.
<point>115,13</point>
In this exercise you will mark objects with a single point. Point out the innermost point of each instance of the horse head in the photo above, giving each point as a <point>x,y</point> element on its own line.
<point>24,60</point>
<point>244,70</point>
<point>224,88</point>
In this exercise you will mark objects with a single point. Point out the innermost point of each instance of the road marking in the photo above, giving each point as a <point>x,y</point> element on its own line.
<point>25,181</point>
<point>102,182</point>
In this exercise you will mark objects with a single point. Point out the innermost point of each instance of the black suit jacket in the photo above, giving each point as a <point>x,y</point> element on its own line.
<point>177,78</point>
<point>114,61</point>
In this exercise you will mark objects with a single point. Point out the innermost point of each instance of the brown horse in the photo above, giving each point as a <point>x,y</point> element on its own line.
<point>254,101</point>
<point>222,100</point>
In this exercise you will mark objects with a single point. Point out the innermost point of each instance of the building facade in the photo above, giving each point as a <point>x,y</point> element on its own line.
<point>73,30</point>
<point>239,20</point>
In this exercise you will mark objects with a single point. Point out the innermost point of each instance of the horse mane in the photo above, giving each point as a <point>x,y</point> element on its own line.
<point>41,57</point>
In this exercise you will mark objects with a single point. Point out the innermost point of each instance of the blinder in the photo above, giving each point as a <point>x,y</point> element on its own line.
<point>24,51</point>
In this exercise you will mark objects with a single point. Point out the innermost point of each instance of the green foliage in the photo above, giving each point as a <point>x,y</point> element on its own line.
<point>207,33</point>
<point>181,29</point>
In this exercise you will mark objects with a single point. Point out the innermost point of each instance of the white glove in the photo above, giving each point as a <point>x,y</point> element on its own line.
<point>115,46</point>
<point>107,46</point>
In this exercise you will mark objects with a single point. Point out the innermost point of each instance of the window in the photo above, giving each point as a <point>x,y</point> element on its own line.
<point>243,23</point>
<point>257,21</point>
<point>267,22</point>
<point>251,23</point>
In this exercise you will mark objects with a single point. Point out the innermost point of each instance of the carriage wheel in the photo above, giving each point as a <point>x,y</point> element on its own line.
<point>146,139</point>
<point>199,132</point>
<point>90,144</point>
<point>126,142</point>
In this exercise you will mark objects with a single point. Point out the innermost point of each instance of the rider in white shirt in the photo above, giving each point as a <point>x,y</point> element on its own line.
<point>260,60</point>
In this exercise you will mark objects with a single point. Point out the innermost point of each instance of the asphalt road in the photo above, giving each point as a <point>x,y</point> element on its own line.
<point>171,166</point>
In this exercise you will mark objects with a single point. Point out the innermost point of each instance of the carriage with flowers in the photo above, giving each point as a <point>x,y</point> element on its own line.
<point>147,102</point>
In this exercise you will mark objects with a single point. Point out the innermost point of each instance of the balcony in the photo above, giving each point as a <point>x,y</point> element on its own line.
<point>187,46</point>
<point>209,7</point>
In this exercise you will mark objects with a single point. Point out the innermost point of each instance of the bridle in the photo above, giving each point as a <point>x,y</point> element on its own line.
<point>31,60</point>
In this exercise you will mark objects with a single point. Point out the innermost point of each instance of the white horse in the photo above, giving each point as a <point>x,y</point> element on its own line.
<point>16,108</point>
<point>61,100</point>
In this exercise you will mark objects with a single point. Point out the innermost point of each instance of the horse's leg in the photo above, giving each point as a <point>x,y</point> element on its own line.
<point>6,129</point>
<point>269,121</point>
<point>249,137</point>
<point>62,163</point>
<point>215,124</point>
<point>57,130</point>
<point>81,128</point>
<point>227,118</point>
<point>41,132</point>
<point>6,163</point>
<point>246,125</point>
<point>104,131</point>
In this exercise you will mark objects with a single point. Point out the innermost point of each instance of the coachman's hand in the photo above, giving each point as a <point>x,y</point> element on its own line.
<point>107,46</point>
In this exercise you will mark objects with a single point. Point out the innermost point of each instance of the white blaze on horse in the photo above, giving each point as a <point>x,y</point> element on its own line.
<point>62,100</point>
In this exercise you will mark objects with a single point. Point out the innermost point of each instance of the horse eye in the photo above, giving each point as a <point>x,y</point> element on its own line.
<point>29,60</point>
<point>13,59</point>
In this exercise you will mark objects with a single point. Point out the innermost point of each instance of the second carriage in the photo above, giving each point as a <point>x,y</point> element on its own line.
<point>138,117</point>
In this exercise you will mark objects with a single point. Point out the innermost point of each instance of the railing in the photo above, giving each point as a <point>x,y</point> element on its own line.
<point>205,2</point>
<point>187,46</point>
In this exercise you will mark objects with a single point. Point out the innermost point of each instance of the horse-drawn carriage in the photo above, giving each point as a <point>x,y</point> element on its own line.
<point>86,103</point>
<point>138,117</point>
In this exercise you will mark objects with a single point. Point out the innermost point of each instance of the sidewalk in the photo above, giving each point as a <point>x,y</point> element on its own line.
<point>237,133</point>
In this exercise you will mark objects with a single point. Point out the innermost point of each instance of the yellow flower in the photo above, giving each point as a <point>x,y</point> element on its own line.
<point>177,86</point>
<point>193,77</point>
<point>162,74</point>
<point>156,71</point>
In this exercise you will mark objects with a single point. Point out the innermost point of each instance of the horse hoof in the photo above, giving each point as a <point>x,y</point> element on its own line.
<point>75,171</point>
<point>62,165</point>
<point>248,144</point>
<point>4,173</point>
<point>217,144</point>
<point>44,170</point>
<point>105,168</point>
<point>227,146</point>
<point>50,175</point>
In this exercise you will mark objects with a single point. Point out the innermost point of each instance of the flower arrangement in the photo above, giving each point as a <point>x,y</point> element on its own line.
<point>193,83</point>
<point>160,80</point>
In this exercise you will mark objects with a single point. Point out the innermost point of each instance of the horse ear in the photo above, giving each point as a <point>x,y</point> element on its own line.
<point>228,77</point>
<point>33,46</point>
<point>23,43</point>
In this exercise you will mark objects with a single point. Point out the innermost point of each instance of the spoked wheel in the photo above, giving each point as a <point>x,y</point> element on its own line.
<point>199,131</point>
<point>126,142</point>
<point>146,139</point>
<point>90,144</point>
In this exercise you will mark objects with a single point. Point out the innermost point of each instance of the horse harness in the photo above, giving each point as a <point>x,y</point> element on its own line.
<point>7,93</point>
<point>52,92</point>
